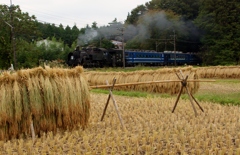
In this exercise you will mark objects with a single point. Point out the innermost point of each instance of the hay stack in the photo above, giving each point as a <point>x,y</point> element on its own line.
<point>99,78</point>
<point>219,72</point>
<point>51,98</point>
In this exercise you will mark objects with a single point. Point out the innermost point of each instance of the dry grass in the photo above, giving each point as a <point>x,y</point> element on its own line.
<point>51,98</point>
<point>219,72</point>
<point>99,78</point>
<point>151,128</point>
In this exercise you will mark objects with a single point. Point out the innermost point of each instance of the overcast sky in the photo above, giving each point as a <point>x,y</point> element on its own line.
<point>79,12</point>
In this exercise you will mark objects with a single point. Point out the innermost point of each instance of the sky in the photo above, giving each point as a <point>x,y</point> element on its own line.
<point>77,12</point>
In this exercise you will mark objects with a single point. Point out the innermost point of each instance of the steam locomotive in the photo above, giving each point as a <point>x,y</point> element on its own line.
<point>100,57</point>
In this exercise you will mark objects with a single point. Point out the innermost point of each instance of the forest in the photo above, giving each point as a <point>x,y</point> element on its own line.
<point>207,27</point>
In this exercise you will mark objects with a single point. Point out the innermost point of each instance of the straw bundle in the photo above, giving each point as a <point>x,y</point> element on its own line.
<point>99,78</point>
<point>219,72</point>
<point>51,98</point>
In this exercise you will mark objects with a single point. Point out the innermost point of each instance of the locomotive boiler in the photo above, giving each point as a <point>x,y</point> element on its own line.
<point>95,57</point>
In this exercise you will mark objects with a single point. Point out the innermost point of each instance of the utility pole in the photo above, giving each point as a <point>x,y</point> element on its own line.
<point>122,33</point>
<point>12,35</point>
<point>123,53</point>
<point>174,46</point>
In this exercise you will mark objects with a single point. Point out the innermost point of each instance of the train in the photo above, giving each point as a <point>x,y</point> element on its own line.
<point>90,57</point>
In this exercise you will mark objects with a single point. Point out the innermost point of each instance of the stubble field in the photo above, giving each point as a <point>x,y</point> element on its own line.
<point>150,127</point>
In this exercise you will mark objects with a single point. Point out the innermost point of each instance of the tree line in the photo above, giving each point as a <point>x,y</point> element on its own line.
<point>208,27</point>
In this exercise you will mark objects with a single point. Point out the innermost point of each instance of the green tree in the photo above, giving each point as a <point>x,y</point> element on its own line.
<point>74,34</point>
<point>179,15</point>
<point>220,21</point>
<point>28,55</point>
<point>188,9</point>
<point>67,36</point>
<point>155,26</point>
<point>94,25</point>
<point>50,50</point>
<point>103,43</point>
<point>135,14</point>
<point>15,26</point>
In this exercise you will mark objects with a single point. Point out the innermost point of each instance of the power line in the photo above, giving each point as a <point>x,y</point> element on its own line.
<point>49,14</point>
<point>46,14</point>
<point>45,22</point>
<point>186,41</point>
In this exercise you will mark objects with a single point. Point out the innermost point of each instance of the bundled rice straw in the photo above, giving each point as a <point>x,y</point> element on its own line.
<point>219,72</point>
<point>99,78</point>
<point>51,98</point>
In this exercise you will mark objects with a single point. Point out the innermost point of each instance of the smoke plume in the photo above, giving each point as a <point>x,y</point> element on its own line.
<point>148,24</point>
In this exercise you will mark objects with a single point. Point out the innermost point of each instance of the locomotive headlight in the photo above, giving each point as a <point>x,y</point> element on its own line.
<point>72,57</point>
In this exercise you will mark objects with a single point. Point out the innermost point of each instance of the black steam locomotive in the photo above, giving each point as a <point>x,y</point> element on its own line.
<point>100,57</point>
<point>95,57</point>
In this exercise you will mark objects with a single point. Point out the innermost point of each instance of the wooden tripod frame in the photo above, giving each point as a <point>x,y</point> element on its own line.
<point>110,95</point>
<point>182,79</point>
<point>191,97</point>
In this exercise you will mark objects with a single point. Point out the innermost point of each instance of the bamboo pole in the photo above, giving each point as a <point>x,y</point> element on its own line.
<point>184,81</point>
<point>147,82</point>
<point>33,132</point>
<point>116,108</point>
<point>109,96</point>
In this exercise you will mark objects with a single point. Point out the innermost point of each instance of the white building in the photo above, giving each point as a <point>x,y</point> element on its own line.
<point>48,43</point>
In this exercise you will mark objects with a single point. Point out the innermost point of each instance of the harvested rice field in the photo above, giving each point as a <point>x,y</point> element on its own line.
<point>150,128</point>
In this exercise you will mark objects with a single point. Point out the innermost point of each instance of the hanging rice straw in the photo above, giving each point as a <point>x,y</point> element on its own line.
<point>51,98</point>
<point>128,80</point>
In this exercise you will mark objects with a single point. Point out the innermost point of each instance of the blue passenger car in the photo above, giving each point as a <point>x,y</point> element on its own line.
<point>170,58</point>
<point>146,58</point>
